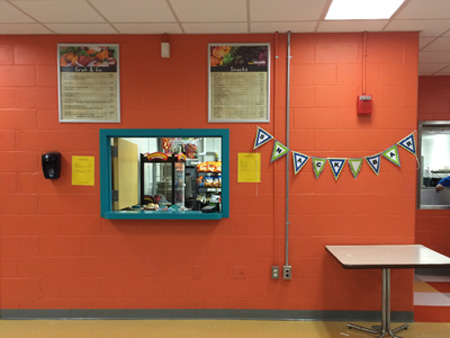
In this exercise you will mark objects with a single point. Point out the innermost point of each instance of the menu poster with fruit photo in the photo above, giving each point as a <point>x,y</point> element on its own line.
<point>88,78</point>
<point>238,82</point>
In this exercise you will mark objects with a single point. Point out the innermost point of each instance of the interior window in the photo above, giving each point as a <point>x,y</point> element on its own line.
<point>165,175</point>
<point>434,152</point>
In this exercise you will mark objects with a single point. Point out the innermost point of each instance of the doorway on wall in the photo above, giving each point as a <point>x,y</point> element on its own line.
<point>434,155</point>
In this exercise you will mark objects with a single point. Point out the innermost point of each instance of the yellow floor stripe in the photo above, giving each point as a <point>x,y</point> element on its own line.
<point>423,287</point>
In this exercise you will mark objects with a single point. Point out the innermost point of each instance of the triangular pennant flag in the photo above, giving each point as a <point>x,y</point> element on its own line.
<point>299,161</point>
<point>355,166</point>
<point>374,163</point>
<point>318,165</point>
<point>409,144</point>
<point>279,150</point>
<point>262,137</point>
<point>336,164</point>
<point>391,154</point>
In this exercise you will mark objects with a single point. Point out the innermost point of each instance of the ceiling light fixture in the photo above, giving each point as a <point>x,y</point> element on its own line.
<point>362,9</point>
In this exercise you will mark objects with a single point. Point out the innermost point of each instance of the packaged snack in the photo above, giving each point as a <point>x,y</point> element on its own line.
<point>208,181</point>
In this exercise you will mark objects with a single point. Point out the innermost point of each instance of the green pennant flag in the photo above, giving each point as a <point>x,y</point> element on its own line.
<point>279,150</point>
<point>355,166</point>
<point>392,155</point>
<point>318,165</point>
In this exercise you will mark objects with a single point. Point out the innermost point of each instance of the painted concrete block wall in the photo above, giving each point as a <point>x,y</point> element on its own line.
<point>434,105</point>
<point>57,253</point>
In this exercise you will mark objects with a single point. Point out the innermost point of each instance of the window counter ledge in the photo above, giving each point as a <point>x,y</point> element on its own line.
<point>196,215</point>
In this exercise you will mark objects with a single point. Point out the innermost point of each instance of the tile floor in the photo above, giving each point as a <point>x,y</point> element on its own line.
<point>432,288</point>
<point>432,296</point>
<point>200,329</point>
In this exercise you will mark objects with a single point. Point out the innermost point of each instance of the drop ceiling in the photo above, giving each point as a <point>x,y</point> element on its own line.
<point>430,17</point>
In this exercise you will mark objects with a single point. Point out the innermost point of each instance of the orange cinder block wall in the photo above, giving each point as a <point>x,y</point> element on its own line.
<point>57,253</point>
<point>432,227</point>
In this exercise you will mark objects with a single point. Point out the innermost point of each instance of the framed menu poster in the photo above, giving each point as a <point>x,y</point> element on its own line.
<point>238,80</point>
<point>88,83</point>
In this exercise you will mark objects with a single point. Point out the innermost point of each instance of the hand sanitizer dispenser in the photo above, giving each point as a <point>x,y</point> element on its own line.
<point>51,164</point>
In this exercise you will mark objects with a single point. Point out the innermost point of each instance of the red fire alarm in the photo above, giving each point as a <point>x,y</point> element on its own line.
<point>365,104</point>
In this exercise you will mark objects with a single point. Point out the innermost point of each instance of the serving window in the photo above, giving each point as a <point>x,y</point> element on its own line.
<point>434,152</point>
<point>164,173</point>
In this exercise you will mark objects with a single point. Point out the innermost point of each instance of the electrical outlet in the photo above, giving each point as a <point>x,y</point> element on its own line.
<point>287,272</point>
<point>275,272</point>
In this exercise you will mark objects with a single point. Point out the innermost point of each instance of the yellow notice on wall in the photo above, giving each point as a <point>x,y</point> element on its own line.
<point>83,170</point>
<point>249,167</point>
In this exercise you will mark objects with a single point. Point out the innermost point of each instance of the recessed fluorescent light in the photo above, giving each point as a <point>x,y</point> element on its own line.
<point>362,9</point>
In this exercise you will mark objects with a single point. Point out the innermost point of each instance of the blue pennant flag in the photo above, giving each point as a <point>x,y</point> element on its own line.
<point>336,164</point>
<point>409,144</point>
<point>299,161</point>
<point>262,137</point>
<point>374,163</point>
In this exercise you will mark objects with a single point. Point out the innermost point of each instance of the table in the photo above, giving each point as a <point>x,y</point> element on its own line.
<point>386,257</point>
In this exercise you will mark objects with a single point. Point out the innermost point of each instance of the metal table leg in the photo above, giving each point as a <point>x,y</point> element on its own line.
<point>387,286</point>
<point>385,311</point>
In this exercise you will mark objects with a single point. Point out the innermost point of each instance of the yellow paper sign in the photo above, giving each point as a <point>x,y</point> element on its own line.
<point>83,170</point>
<point>249,167</point>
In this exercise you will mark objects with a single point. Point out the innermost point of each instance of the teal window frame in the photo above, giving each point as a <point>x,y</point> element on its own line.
<point>106,206</point>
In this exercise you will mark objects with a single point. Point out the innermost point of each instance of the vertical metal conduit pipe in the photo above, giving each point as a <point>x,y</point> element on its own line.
<point>275,92</point>
<point>288,77</point>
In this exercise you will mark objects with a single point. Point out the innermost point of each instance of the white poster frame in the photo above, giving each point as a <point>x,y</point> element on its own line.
<point>92,69</point>
<point>244,118</point>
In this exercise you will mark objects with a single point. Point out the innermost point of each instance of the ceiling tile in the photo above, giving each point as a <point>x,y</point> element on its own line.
<point>9,13</point>
<point>431,68</point>
<point>84,28</point>
<point>439,45</point>
<point>286,10</point>
<point>210,10</point>
<point>444,72</point>
<point>148,28</point>
<point>26,28</point>
<point>427,27</point>
<point>425,9</point>
<point>134,11</point>
<point>282,27</point>
<point>351,26</point>
<point>424,42</point>
<point>434,57</point>
<point>215,28</point>
<point>57,11</point>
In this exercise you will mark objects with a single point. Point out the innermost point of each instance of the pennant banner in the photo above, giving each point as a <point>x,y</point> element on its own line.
<point>355,166</point>
<point>391,154</point>
<point>279,150</point>
<point>374,163</point>
<point>336,164</point>
<point>299,161</point>
<point>409,144</point>
<point>262,137</point>
<point>318,165</point>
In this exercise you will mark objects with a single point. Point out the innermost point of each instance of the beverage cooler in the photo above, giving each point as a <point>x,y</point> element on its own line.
<point>162,181</point>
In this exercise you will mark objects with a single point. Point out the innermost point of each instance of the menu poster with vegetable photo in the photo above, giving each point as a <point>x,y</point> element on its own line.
<point>238,82</point>
<point>88,83</point>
